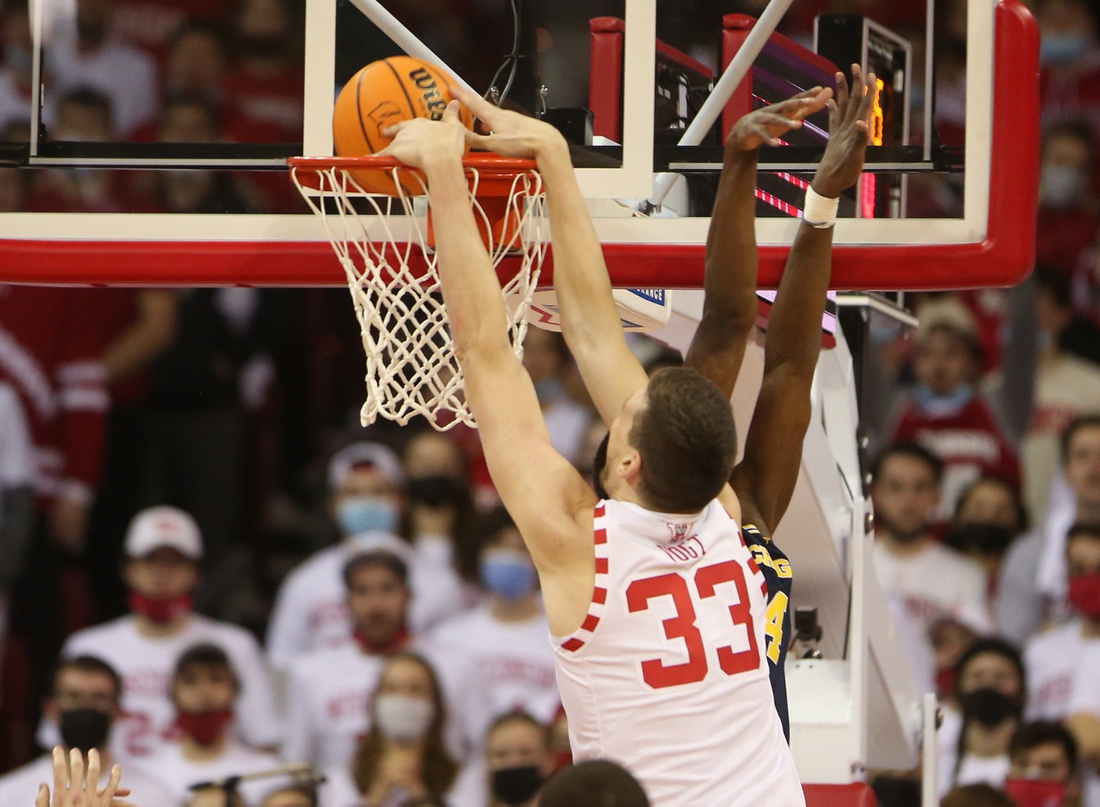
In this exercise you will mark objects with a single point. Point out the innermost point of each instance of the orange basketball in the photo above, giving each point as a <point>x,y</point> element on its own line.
<point>378,96</point>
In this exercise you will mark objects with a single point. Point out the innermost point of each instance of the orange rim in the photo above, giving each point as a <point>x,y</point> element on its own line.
<point>485,164</point>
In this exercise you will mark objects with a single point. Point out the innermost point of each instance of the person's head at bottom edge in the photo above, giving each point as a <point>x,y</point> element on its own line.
<point>596,783</point>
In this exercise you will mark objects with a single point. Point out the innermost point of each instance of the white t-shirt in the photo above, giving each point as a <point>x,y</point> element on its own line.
<point>947,739</point>
<point>311,610</point>
<point>147,664</point>
<point>124,74</point>
<point>936,583</point>
<point>177,773</point>
<point>983,770</point>
<point>328,705</point>
<point>1057,662</point>
<point>511,663</point>
<point>19,788</point>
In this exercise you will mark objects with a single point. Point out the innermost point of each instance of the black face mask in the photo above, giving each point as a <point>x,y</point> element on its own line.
<point>517,785</point>
<point>599,462</point>
<point>988,707</point>
<point>434,491</point>
<point>85,728</point>
<point>982,537</point>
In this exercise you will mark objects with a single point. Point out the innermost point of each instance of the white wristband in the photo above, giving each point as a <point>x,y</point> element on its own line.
<point>820,211</point>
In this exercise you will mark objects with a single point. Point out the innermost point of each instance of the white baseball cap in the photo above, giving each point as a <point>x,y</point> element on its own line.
<point>164,527</point>
<point>364,455</point>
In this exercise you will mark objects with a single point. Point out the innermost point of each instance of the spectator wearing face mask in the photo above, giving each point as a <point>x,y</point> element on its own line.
<point>163,549</point>
<point>329,689</point>
<point>1067,656</point>
<point>85,701</point>
<point>1070,76</point>
<point>403,759</point>
<point>365,501</point>
<point>518,759</point>
<point>1067,208</point>
<point>1033,579</point>
<point>440,522</point>
<point>988,517</point>
<point>933,581</point>
<point>1067,385</point>
<point>504,639</point>
<point>1044,769</point>
<point>205,691</point>
<point>1083,559</point>
<point>945,412</point>
<point>979,720</point>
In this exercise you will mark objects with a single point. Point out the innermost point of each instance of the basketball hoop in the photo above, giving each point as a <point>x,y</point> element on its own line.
<point>386,246</point>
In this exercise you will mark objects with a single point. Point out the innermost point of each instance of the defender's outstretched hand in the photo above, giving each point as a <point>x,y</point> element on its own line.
<point>768,124</point>
<point>68,783</point>
<point>510,133</point>
<point>420,142</point>
<point>849,133</point>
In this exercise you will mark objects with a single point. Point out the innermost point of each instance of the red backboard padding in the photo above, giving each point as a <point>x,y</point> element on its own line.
<point>854,795</point>
<point>1005,257</point>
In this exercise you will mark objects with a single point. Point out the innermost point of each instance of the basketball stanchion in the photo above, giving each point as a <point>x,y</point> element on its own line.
<point>385,245</point>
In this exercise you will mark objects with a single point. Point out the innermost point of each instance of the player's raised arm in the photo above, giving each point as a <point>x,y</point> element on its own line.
<point>729,308</point>
<point>589,317</point>
<point>541,490</point>
<point>766,477</point>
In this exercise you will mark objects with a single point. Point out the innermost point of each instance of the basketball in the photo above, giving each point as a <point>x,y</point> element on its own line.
<point>383,93</point>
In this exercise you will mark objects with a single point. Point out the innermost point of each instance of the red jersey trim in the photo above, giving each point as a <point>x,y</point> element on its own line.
<point>577,639</point>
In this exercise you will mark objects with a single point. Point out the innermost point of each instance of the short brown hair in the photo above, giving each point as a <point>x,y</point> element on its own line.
<point>977,796</point>
<point>1078,425</point>
<point>687,439</point>
<point>595,783</point>
<point>86,664</point>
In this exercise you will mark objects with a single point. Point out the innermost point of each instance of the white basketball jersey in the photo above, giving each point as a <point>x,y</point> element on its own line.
<point>668,676</point>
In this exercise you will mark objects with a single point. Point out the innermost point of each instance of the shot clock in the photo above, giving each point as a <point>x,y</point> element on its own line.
<point>846,39</point>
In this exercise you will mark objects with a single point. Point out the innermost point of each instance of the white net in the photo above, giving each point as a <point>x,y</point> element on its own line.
<point>383,244</point>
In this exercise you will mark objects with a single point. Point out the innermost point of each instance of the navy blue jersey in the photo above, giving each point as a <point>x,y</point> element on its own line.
<point>777,574</point>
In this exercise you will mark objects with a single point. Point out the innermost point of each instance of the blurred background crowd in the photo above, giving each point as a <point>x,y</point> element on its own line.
<point>235,573</point>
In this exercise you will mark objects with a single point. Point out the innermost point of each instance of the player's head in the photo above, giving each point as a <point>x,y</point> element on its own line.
<point>596,783</point>
<point>906,490</point>
<point>1081,459</point>
<point>674,443</point>
<point>1083,567</point>
<point>505,567</point>
<point>407,709</point>
<point>517,757</point>
<point>365,482</point>
<point>378,597</point>
<point>163,549</point>
<point>84,700</point>
<point>204,690</point>
<point>1045,752</point>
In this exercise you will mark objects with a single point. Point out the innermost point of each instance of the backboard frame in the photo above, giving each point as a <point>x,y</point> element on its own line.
<point>987,247</point>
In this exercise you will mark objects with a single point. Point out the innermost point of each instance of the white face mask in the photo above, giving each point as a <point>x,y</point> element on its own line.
<point>403,718</point>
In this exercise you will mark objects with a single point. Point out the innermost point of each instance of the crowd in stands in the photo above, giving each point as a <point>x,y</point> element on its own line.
<point>208,569</point>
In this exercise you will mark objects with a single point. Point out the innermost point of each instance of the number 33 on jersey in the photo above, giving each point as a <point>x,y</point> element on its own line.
<point>674,648</point>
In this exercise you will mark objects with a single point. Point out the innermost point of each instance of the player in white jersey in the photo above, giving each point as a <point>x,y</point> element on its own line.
<point>670,453</point>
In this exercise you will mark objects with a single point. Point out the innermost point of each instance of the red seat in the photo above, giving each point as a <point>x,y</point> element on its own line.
<point>854,795</point>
